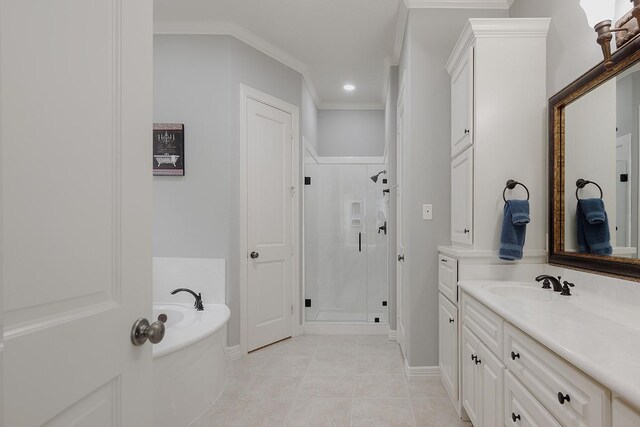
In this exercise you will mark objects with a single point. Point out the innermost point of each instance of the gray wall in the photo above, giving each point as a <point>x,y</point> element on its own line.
<point>430,38</point>
<point>571,43</point>
<point>351,132</point>
<point>309,117</point>
<point>390,120</point>
<point>197,82</point>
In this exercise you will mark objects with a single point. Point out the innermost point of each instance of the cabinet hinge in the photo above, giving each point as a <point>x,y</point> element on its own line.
<point>291,308</point>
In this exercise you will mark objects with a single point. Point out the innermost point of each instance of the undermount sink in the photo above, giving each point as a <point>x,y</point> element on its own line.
<point>522,292</point>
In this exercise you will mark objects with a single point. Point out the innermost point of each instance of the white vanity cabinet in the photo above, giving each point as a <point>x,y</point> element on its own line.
<point>482,369</point>
<point>498,132</point>
<point>449,329</point>
<point>448,345</point>
<point>508,378</point>
<point>624,415</point>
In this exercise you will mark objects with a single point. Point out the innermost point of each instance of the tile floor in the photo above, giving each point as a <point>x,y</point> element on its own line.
<point>329,380</point>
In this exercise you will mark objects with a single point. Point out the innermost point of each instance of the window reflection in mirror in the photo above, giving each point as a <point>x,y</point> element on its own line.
<point>602,131</point>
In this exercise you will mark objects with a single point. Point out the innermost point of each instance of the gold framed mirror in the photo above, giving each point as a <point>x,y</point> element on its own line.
<point>594,169</point>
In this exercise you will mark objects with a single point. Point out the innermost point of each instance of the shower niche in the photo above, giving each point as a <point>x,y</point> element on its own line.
<point>346,212</point>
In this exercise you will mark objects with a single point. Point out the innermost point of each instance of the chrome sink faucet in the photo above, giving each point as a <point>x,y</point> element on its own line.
<point>550,280</point>
<point>198,304</point>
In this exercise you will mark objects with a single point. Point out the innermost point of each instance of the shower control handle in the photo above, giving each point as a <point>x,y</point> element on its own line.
<point>400,257</point>
<point>254,255</point>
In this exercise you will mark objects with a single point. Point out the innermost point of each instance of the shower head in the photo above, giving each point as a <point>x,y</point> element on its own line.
<point>374,178</point>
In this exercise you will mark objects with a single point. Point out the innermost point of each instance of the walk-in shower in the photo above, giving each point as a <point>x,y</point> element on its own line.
<point>346,213</point>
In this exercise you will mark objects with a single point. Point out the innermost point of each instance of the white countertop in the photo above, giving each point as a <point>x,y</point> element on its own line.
<point>599,336</point>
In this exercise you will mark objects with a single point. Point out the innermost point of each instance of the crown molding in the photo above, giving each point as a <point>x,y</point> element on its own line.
<point>496,28</point>
<point>458,4</point>
<point>245,36</point>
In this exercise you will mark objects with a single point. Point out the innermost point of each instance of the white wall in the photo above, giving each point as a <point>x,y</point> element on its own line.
<point>351,133</point>
<point>309,117</point>
<point>197,82</point>
<point>429,39</point>
<point>571,43</point>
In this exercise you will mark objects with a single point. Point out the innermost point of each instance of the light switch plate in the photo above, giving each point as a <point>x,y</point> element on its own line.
<point>427,211</point>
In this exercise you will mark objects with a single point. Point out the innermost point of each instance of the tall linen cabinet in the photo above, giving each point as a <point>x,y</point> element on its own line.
<point>498,132</point>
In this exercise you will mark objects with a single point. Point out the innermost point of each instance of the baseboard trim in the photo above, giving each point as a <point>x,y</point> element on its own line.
<point>334,328</point>
<point>393,335</point>
<point>233,353</point>
<point>421,371</point>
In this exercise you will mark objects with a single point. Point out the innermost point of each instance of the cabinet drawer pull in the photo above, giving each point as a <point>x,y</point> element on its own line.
<point>515,356</point>
<point>443,260</point>
<point>515,417</point>
<point>563,398</point>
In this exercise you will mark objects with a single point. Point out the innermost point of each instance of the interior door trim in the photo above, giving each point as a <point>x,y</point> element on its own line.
<point>247,93</point>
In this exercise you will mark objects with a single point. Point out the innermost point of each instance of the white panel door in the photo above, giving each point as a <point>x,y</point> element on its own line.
<point>448,345</point>
<point>400,229</point>
<point>270,226</point>
<point>76,82</point>
<point>462,198</point>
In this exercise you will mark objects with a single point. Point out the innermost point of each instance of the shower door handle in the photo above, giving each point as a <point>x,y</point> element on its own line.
<point>359,242</point>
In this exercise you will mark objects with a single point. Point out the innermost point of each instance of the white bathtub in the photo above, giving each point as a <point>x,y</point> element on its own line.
<point>190,364</point>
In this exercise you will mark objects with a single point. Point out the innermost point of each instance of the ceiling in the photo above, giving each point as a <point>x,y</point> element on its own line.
<point>331,42</point>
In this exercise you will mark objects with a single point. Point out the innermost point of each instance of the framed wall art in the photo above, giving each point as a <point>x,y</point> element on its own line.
<point>168,149</point>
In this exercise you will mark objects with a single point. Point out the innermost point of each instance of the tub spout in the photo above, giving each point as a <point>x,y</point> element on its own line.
<point>198,304</point>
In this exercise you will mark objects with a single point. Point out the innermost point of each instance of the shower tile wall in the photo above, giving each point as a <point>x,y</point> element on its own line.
<point>345,257</point>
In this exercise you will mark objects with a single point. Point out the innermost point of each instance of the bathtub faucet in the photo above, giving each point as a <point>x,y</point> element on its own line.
<point>198,304</point>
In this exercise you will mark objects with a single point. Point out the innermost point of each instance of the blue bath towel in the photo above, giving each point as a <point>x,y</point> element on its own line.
<point>514,229</point>
<point>592,225</point>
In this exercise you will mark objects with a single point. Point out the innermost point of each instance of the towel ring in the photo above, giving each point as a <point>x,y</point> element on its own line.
<point>511,184</point>
<point>581,183</point>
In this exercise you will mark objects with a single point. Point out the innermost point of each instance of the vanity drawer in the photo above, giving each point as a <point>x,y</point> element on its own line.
<point>521,408</point>
<point>484,323</point>
<point>448,277</point>
<point>572,397</point>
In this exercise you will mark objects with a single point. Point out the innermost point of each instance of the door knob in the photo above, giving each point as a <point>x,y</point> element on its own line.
<point>400,257</point>
<point>254,255</point>
<point>143,331</point>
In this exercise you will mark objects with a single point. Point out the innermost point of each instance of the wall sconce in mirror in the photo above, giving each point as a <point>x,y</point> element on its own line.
<point>600,14</point>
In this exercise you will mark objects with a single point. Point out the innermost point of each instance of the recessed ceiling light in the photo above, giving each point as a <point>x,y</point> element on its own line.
<point>349,87</point>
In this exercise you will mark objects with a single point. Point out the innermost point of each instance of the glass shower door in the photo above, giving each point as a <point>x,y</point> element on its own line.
<point>335,243</point>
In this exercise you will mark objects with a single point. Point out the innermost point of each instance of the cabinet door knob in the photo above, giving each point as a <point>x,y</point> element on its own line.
<point>474,357</point>
<point>400,257</point>
<point>466,131</point>
<point>563,398</point>
<point>515,417</point>
<point>466,231</point>
<point>515,356</point>
<point>451,320</point>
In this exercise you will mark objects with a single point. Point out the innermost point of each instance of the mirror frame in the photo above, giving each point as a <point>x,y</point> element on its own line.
<point>628,268</point>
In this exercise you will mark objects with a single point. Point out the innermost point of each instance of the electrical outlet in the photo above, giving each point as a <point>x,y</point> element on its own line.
<point>427,211</point>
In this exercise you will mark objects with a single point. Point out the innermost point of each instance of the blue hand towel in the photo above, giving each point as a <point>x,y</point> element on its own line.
<point>514,229</point>
<point>593,227</point>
